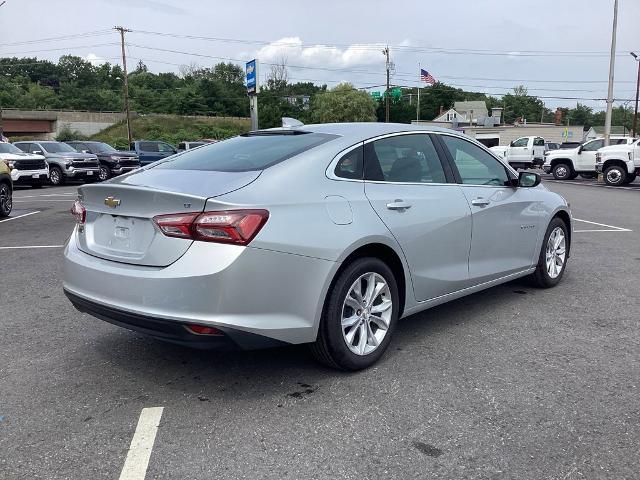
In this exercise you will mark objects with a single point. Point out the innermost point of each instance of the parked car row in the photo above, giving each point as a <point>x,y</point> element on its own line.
<point>37,162</point>
<point>619,163</point>
<point>567,164</point>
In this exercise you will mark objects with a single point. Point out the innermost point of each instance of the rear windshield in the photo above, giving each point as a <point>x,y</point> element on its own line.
<point>246,152</point>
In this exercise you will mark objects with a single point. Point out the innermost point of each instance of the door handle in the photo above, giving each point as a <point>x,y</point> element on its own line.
<point>480,202</point>
<point>398,204</point>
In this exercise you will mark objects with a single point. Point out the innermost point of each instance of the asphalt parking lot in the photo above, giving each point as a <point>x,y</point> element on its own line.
<point>512,382</point>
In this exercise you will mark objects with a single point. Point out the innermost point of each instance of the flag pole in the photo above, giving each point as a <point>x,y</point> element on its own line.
<point>418,106</point>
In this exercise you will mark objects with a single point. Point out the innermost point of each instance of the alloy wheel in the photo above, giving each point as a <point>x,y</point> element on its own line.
<point>366,313</point>
<point>556,252</point>
<point>54,176</point>
<point>6,202</point>
<point>103,174</point>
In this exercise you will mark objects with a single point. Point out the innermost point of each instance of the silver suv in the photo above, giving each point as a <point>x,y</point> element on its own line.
<point>64,162</point>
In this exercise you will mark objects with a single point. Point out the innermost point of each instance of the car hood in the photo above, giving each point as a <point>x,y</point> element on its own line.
<point>616,148</point>
<point>17,156</point>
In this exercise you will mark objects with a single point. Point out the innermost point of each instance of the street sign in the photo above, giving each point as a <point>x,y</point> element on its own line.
<point>252,77</point>
<point>396,93</point>
<point>376,95</point>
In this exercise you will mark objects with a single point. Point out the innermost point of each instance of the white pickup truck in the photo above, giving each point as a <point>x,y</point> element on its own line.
<point>567,164</point>
<point>619,164</point>
<point>524,152</point>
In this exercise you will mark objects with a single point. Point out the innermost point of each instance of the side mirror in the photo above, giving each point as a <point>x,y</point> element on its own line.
<point>529,179</point>
<point>37,152</point>
<point>580,149</point>
<point>85,151</point>
<point>511,144</point>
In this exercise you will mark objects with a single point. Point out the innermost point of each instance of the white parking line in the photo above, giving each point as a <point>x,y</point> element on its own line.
<point>45,195</point>
<point>611,227</point>
<point>25,247</point>
<point>19,216</point>
<point>599,185</point>
<point>43,200</point>
<point>137,461</point>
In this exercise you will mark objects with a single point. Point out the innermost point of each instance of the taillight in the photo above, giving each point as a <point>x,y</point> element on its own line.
<point>238,227</point>
<point>78,211</point>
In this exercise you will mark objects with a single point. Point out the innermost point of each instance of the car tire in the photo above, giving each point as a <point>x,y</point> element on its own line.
<point>349,337</point>
<point>6,199</point>
<point>615,175</point>
<point>631,177</point>
<point>588,176</point>
<point>562,171</point>
<point>553,251</point>
<point>104,173</point>
<point>55,176</point>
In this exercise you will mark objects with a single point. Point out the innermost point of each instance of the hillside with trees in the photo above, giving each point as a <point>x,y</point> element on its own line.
<point>75,84</point>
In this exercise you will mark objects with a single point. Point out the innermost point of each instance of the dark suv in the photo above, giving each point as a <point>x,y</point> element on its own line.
<point>150,151</point>
<point>112,161</point>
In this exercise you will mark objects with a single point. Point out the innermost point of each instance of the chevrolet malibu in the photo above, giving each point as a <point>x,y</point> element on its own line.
<point>321,234</point>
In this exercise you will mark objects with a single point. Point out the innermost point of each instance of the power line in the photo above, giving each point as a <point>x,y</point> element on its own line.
<point>376,47</point>
<point>94,33</point>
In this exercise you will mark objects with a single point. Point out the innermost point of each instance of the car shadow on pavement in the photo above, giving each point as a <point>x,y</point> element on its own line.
<point>285,372</point>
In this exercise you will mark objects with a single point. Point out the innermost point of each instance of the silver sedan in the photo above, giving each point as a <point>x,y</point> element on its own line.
<point>320,234</point>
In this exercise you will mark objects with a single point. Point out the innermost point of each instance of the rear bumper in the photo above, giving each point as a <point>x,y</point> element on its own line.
<point>261,292</point>
<point>172,331</point>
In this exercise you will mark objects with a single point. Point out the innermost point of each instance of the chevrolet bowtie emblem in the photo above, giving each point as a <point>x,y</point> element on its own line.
<point>112,202</point>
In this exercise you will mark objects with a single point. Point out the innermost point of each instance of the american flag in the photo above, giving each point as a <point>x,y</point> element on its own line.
<point>426,77</point>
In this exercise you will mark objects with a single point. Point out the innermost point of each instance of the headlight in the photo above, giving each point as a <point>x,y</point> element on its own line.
<point>11,164</point>
<point>68,163</point>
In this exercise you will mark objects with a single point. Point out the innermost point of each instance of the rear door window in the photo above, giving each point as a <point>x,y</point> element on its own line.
<point>255,151</point>
<point>538,142</point>
<point>148,146</point>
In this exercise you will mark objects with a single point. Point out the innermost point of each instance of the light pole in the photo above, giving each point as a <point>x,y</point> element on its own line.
<point>635,114</point>
<point>612,60</point>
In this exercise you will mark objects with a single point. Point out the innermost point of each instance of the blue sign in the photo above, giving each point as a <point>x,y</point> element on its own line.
<point>252,77</point>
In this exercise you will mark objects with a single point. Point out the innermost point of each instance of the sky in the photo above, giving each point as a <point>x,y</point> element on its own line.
<point>556,48</point>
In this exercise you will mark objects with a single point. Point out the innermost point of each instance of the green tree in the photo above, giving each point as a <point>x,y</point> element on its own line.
<point>343,103</point>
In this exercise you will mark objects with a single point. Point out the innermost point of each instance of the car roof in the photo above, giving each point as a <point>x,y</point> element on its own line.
<point>365,129</point>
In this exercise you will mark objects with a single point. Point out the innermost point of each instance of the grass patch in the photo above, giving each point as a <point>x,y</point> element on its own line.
<point>172,129</point>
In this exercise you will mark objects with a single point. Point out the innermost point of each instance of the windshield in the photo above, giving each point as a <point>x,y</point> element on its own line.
<point>246,152</point>
<point>8,148</point>
<point>57,147</point>
<point>100,147</point>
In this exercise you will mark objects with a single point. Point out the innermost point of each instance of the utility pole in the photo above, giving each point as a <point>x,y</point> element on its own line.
<point>634,128</point>
<point>122,31</point>
<point>386,97</point>
<point>612,61</point>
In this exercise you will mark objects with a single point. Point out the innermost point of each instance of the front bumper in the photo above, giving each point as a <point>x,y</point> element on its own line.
<point>261,292</point>
<point>546,168</point>
<point>29,176</point>
<point>598,168</point>
<point>121,170</point>
<point>73,172</point>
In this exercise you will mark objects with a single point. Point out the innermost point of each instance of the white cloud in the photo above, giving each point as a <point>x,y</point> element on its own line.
<point>296,53</point>
<point>94,59</point>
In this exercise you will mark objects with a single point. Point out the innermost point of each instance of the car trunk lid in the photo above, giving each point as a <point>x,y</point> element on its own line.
<point>119,214</point>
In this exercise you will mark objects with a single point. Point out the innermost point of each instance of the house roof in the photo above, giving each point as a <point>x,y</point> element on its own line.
<point>476,105</point>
